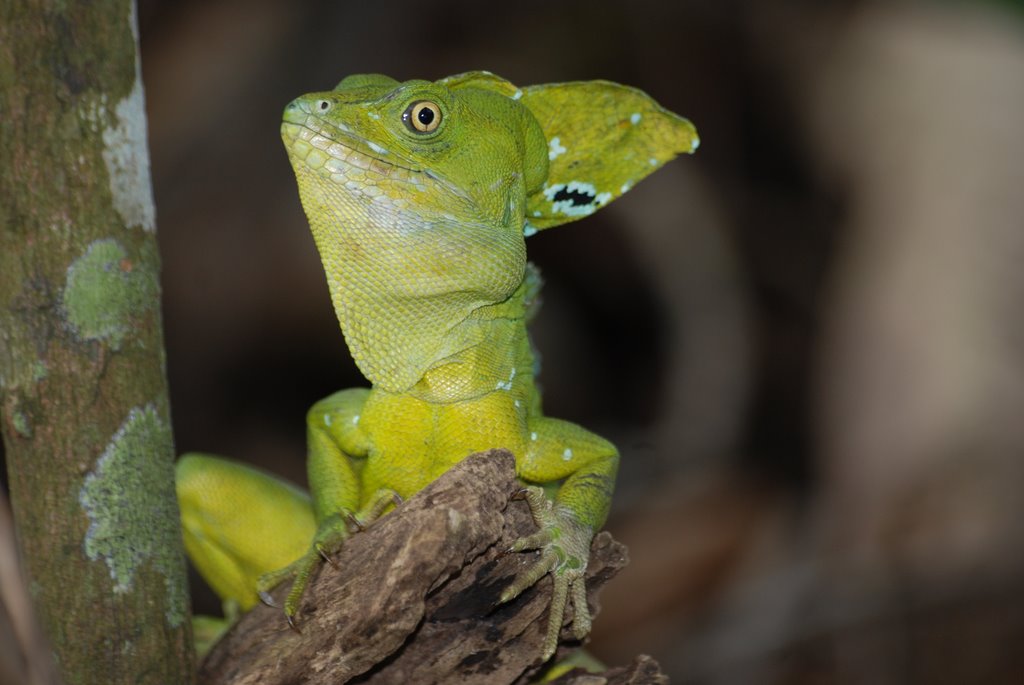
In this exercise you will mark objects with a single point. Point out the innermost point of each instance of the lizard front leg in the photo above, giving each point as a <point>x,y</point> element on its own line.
<point>561,450</point>
<point>337,445</point>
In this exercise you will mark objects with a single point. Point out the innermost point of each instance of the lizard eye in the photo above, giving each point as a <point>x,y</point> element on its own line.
<point>422,116</point>
<point>321,106</point>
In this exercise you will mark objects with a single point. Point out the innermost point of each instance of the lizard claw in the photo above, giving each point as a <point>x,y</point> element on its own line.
<point>325,556</point>
<point>354,524</point>
<point>519,493</point>
<point>565,549</point>
<point>292,624</point>
<point>330,536</point>
<point>266,598</point>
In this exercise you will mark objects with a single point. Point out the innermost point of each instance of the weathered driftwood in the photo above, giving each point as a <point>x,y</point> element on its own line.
<point>411,599</point>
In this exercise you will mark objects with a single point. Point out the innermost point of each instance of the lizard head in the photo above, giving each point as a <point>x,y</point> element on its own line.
<point>415,194</point>
<point>442,150</point>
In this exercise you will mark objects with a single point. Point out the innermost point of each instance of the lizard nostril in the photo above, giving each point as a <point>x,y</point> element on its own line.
<point>298,109</point>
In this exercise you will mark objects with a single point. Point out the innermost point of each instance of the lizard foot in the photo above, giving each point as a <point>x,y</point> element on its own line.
<point>331,535</point>
<point>564,543</point>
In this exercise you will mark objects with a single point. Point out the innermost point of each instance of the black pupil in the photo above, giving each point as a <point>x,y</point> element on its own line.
<point>425,116</point>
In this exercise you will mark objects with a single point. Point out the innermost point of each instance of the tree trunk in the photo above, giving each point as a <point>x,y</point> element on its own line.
<point>83,398</point>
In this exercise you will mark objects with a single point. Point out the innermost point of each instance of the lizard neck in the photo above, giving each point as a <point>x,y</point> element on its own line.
<point>481,347</point>
<point>489,352</point>
<point>496,363</point>
<point>414,295</point>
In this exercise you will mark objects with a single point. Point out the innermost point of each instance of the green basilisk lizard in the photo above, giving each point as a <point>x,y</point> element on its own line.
<point>420,196</point>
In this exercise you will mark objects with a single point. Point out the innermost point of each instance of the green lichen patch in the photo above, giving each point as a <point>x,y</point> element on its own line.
<point>133,516</point>
<point>40,371</point>
<point>21,424</point>
<point>106,292</point>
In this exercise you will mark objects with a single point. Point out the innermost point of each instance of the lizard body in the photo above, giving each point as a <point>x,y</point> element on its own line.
<point>419,196</point>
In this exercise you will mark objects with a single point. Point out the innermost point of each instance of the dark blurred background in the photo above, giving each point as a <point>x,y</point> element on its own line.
<point>806,339</point>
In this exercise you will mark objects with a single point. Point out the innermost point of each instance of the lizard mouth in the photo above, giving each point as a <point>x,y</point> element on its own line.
<point>304,134</point>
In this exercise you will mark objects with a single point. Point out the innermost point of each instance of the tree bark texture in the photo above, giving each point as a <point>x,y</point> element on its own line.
<point>411,599</point>
<point>83,399</point>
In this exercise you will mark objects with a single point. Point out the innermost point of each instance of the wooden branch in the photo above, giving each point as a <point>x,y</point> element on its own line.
<point>411,599</point>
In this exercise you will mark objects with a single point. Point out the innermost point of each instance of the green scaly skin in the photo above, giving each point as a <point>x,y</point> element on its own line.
<point>419,196</point>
